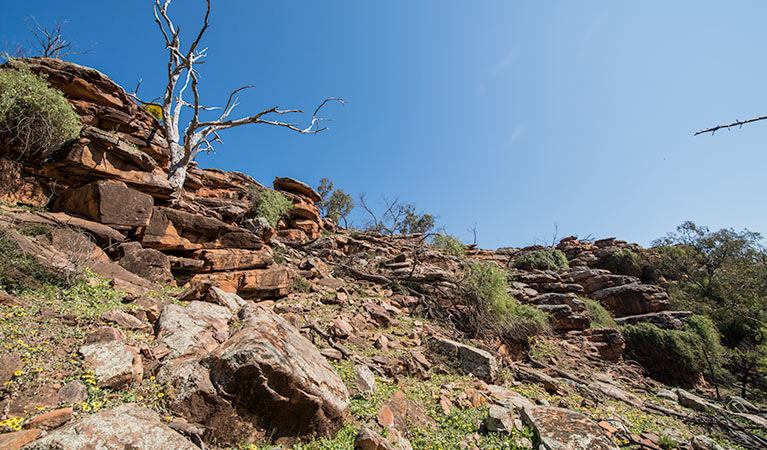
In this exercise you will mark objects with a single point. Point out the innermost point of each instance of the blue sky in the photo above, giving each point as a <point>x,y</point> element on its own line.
<point>512,116</point>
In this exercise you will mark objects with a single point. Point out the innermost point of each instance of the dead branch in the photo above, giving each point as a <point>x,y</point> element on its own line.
<point>739,123</point>
<point>329,339</point>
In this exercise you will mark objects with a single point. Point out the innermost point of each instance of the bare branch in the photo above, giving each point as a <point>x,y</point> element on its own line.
<point>739,123</point>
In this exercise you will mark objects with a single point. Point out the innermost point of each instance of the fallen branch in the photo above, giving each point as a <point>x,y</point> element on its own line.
<point>327,338</point>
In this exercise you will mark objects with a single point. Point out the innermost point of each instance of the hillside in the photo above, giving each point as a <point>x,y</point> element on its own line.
<point>238,317</point>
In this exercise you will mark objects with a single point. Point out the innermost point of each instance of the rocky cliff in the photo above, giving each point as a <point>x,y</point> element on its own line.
<point>233,333</point>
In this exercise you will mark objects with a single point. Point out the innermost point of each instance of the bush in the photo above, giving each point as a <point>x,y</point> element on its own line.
<point>546,259</point>
<point>497,311</point>
<point>269,204</point>
<point>623,262</point>
<point>600,317</point>
<point>449,244</point>
<point>677,357</point>
<point>34,117</point>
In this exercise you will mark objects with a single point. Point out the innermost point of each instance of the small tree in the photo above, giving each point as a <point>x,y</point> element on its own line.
<point>325,189</point>
<point>335,204</point>
<point>199,134</point>
<point>339,206</point>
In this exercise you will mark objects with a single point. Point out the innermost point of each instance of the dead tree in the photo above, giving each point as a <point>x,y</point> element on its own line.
<point>199,134</point>
<point>49,42</point>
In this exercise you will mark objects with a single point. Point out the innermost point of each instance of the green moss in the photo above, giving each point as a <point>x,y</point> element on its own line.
<point>600,317</point>
<point>546,259</point>
<point>449,244</point>
<point>34,117</point>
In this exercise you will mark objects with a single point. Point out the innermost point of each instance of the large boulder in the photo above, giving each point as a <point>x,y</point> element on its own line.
<point>296,187</point>
<point>128,426</point>
<point>108,202</point>
<point>194,329</point>
<point>253,283</point>
<point>150,264</point>
<point>564,429</point>
<point>114,363</point>
<point>632,299</point>
<point>172,229</point>
<point>234,259</point>
<point>277,378</point>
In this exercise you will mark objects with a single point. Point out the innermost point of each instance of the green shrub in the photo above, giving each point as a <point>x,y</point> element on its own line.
<point>496,310</point>
<point>600,317</point>
<point>546,259</point>
<point>677,357</point>
<point>269,204</point>
<point>34,117</point>
<point>20,271</point>
<point>449,244</point>
<point>623,262</point>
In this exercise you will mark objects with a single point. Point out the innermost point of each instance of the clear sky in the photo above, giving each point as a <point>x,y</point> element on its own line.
<point>512,116</point>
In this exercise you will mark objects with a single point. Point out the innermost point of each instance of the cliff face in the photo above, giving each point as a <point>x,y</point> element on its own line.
<point>300,331</point>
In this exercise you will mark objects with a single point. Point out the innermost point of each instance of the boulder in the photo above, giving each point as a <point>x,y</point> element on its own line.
<point>471,359</point>
<point>564,429</point>
<point>366,380</point>
<point>234,259</point>
<point>194,329</point>
<point>192,396</point>
<point>231,301</point>
<point>114,363</point>
<point>172,229</point>
<point>150,264</point>
<point>632,299</point>
<point>499,420</point>
<point>254,283</point>
<point>296,187</point>
<point>508,398</point>
<point>128,426</point>
<point>692,401</point>
<point>277,378</point>
<point>108,202</point>
<point>50,420</point>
